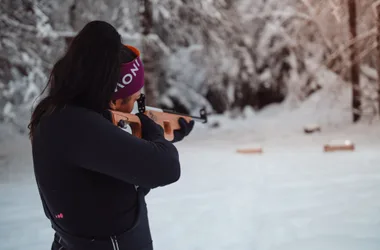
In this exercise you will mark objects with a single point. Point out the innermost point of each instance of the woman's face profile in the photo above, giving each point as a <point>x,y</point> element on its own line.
<point>126,105</point>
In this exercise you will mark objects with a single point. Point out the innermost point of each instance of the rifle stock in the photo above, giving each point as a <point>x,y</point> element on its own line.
<point>168,121</point>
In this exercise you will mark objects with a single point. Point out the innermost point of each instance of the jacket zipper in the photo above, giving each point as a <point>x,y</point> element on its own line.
<point>115,244</point>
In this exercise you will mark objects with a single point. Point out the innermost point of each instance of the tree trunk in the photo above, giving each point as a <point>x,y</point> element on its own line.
<point>146,20</point>
<point>73,15</point>
<point>355,64</point>
<point>378,55</point>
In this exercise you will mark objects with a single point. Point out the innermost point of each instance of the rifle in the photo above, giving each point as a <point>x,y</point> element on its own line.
<point>167,119</point>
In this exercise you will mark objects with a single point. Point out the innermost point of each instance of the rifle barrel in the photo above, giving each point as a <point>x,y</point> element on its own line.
<point>202,118</point>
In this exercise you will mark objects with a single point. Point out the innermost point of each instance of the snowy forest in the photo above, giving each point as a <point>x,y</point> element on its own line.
<point>220,54</point>
<point>288,160</point>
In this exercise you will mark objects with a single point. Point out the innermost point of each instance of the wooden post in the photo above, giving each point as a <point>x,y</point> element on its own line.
<point>146,17</point>
<point>355,65</point>
<point>334,146</point>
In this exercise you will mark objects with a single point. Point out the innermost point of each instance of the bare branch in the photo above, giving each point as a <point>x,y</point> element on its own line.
<point>374,8</point>
<point>336,10</point>
<point>344,47</point>
<point>17,24</point>
<point>316,21</point>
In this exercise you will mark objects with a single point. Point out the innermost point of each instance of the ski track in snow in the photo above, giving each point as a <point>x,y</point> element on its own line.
<point>292,197</point>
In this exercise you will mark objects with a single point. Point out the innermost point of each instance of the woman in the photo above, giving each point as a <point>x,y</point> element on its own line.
<point>93,176</point>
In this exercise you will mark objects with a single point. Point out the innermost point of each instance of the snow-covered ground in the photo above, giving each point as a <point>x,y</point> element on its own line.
<point>292,197</point>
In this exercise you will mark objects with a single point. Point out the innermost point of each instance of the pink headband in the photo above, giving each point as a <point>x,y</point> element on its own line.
<point>131,77</point>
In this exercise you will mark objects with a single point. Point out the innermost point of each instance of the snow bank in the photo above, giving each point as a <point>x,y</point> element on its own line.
<point>292,197</point>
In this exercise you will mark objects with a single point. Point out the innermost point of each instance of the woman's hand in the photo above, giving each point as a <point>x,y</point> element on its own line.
<point>186,128</point>
<point>150,130</point>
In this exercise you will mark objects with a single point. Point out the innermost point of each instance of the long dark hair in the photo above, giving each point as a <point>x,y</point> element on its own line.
<point>87,74</point>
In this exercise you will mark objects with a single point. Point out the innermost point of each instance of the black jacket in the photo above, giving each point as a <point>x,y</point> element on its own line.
<point>93,176</point>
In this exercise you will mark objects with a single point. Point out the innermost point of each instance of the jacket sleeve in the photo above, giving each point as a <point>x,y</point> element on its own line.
<point>90,141</point>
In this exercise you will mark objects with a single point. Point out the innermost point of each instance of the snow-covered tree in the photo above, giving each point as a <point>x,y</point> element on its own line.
<point>222,54</point>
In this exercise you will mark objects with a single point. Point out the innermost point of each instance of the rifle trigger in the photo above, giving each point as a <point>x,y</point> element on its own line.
<point>121,124</point>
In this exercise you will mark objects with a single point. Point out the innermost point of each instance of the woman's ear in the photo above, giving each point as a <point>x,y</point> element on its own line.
<point>118,104</point>
<point>113,104</point>
<point>123,105</point>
